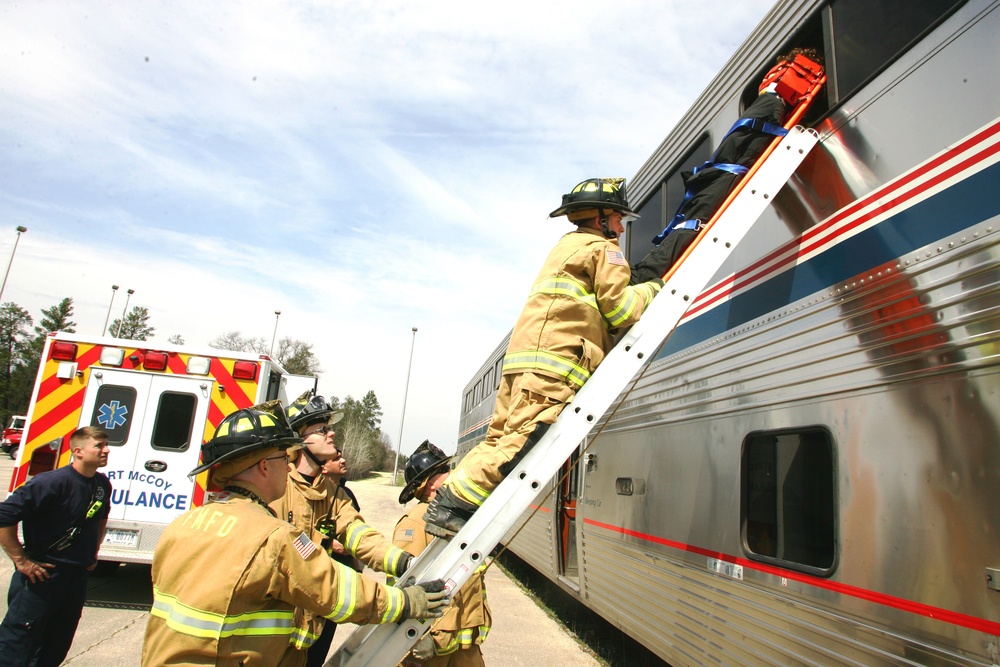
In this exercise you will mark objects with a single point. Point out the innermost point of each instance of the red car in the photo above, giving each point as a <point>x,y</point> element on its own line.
<point>12,435</point>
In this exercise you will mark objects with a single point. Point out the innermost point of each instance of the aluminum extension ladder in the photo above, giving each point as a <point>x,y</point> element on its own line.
<point>455,560</point>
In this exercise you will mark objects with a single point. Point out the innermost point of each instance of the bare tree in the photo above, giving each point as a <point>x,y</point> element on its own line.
<point>235,341</point>
<point>295,356</point>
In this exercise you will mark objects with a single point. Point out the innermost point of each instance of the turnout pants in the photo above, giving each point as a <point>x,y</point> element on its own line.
<point>524,400</point>
<point>470,657</point>
<point>42,618</point>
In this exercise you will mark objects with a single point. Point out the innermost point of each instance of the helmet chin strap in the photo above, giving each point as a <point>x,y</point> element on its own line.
<point>604,226</point>
<point>312,457</point>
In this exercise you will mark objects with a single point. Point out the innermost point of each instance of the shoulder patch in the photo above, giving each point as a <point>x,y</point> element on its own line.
<point>403,535</point>
<point>304,545</point>
<point>616,257</point>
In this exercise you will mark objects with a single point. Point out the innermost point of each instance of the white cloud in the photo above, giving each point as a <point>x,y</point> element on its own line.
<point>364,167</point>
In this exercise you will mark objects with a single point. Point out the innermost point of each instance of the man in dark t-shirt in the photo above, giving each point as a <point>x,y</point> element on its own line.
<point>63,514</point>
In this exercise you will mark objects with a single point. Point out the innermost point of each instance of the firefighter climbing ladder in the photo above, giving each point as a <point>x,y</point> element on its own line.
<point>455,560</point>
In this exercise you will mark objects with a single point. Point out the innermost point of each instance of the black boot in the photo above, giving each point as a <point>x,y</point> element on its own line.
<point>447,513</point>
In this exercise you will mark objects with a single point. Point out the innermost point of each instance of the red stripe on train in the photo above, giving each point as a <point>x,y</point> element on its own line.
<point>937,613</point>
<point>808,241</point>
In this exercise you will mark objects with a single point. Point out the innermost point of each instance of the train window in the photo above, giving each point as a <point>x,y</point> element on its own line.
<point>498,372</point>
<point>664,202</point>
<point>648,225</point>
<point>857,39</point>
<point>174,420</point>
<point>869,35</point>
<point>788,504</point>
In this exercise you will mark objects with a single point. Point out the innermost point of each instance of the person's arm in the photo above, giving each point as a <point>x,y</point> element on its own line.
<point>101,531</point>
<point>34,571</point>
<point>364,542</point>
<point>621,304</point>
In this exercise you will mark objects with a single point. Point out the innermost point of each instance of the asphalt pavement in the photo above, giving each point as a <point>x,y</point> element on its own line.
<point>114,618</point>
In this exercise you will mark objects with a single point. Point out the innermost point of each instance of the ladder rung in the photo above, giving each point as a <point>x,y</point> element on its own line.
<point>456,560</point>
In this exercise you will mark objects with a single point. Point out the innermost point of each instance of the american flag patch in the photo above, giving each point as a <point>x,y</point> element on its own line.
<point>404,535</point>
<point>304,545</point>
<point>616,257</point>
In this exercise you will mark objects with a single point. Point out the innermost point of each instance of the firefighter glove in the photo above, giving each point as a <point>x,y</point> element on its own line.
<point>404,563</point>
<point>425,649</point>
<point>425,600</point>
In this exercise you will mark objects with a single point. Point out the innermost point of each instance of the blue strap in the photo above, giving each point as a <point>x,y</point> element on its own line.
<point>753,124</point>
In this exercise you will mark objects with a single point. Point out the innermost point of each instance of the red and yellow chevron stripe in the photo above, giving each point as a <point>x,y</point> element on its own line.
<point>59,402</point>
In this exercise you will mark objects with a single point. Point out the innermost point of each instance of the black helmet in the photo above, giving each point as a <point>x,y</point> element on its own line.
<point>425,462</point>
<point>596,193</point>
<point>308,409</point>
<point>245,431</point>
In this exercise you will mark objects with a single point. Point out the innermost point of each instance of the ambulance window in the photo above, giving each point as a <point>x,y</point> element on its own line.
<point>273,385</point>
<point>788,499</point>
<point>113,411</point>
<point>174,419</point>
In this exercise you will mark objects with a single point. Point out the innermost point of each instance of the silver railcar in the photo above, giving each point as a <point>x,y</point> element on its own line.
<point>809,470</point>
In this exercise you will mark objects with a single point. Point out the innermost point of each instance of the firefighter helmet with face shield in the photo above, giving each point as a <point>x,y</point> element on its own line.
<point>245,432</point>
<point>425,462</point>
<point>308,409</point>
<point>596,193</point>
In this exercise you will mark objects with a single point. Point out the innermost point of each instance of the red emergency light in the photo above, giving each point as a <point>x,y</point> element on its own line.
<point>154,361</point>
<point>245,370</point>
<point>63,351</point>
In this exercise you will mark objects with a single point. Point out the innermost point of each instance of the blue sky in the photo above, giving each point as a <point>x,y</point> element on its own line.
<point>364,167</point>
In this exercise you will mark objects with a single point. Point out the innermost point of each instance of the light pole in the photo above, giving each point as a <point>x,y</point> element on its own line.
<point>128,295</point>
<point>107,318</point>
<point>20,229</point>
<point>402,415</point>
<point>277,314</point>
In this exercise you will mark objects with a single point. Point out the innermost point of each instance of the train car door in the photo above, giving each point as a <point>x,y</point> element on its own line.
<point>155,423</point>
<point>568,494</point>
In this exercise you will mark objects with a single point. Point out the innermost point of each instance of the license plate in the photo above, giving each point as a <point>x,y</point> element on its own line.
<point>121,538</point>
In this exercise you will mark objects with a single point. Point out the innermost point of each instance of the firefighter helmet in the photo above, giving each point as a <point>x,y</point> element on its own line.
<point>425,462</point>
<point>598,193</point>
<point>246,431</point>
<point>308,409</point>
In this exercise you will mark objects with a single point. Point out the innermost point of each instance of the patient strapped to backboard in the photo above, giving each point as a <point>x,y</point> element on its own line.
<point>707,186</point>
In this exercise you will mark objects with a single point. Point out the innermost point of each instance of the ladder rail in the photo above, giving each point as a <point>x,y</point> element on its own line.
<point>454,561</point>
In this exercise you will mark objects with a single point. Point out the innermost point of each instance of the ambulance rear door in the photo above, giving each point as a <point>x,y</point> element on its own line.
<point>156,424</point>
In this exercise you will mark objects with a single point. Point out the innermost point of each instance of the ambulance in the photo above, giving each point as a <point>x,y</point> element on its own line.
<point>159,403</point>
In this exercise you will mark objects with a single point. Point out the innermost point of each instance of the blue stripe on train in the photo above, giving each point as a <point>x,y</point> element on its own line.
<point>968,202</point>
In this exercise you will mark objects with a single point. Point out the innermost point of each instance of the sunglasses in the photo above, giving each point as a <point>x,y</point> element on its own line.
<point>322,430</point>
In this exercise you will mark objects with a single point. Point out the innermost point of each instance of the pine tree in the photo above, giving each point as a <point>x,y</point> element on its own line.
<point>134,327</point>
<point>57,318</point>
<point>16,354</point>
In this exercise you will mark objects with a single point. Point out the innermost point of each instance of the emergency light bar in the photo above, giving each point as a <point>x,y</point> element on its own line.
<point>245,370</point>
<point>154,361</point>
<point>63,351</point>
<point>112,356</point>
<point>198,366</point>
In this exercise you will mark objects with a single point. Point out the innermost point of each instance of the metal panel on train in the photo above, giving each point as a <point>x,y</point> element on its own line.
<point>809,470</point>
